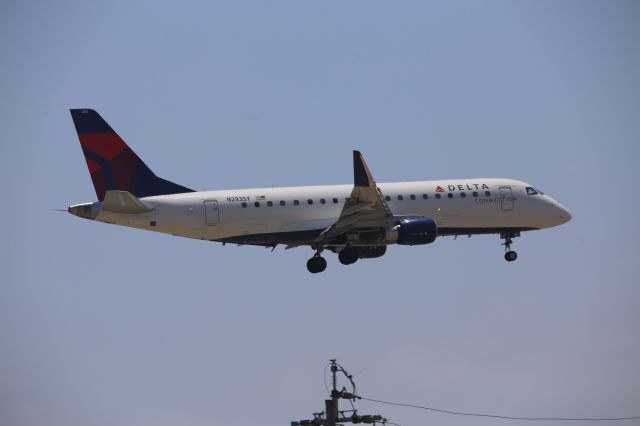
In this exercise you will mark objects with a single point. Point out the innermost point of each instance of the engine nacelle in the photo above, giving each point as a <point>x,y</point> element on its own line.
<point>370,252</point>
<point>413,232</point>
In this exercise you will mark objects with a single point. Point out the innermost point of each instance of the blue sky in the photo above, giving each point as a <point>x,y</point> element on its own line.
<point>101,325</point>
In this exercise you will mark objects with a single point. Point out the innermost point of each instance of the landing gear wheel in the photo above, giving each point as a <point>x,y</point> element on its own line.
<point>510,256</point>
<point>316,264</point>
<point>348,256</point>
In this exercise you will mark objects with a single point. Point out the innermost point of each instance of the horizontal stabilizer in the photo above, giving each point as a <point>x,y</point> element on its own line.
<point>123,202</point>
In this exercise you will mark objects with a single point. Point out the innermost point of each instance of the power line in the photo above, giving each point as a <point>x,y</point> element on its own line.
<point>496,416</point>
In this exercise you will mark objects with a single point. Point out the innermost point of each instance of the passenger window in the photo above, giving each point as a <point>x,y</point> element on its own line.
<point>412,196</point>
<point>244,205</point>
<point>425,197</point>
<point>450,195</point>
<point>487,194</point>
<point>438,196</point>
<point>282,203</point>
<point>323,201</point>
<point>309,201</point>
<point>388,198</point>
<point>257,204</point>
<point>462,195</point>
<point>335,201</point>
<point>296,202</point>
<point>475,193</point>
<point>400,198</point>
<point>270,203</point>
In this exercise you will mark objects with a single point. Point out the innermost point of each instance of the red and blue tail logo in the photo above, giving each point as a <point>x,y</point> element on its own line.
<point>112,164</point>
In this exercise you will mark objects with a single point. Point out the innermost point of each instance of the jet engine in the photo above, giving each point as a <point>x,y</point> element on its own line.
<point>413,232</point>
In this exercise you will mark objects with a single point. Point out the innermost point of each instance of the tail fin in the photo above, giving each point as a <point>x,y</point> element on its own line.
<point>112,164</point>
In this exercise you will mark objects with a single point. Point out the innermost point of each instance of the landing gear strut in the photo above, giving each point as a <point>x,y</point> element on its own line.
<point>509,255</point>
<point>317,263</point>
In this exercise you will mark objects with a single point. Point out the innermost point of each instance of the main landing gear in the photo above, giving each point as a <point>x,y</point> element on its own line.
<point>317,263</point>
<point>348,256</point>
<point>509,255</point>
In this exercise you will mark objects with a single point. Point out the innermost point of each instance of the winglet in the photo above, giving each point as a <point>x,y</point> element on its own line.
<point>361,174</point>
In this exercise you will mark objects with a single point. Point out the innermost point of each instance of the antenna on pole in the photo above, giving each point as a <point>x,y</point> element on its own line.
<point>332,416</point>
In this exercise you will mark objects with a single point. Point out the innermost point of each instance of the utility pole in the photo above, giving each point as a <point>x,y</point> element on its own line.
<point>332,416</point>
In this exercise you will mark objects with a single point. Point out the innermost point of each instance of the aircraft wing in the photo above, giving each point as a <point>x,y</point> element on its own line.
<point>365,208</point>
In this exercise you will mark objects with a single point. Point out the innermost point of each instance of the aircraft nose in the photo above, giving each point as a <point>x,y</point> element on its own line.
<point>562,213</point>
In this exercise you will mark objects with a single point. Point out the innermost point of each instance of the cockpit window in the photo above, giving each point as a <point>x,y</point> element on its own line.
<point>533,191</point>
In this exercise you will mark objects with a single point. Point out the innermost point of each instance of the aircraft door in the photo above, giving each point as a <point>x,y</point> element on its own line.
<point>211,212</point>
<point>506,199</point>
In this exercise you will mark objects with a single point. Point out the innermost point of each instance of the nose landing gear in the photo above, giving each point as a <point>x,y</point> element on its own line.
<point>509,255</point>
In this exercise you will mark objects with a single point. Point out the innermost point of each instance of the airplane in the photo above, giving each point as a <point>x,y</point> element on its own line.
<point>356,221</point>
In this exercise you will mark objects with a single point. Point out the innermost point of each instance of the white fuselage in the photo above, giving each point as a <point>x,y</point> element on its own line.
<point>296,215</point>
